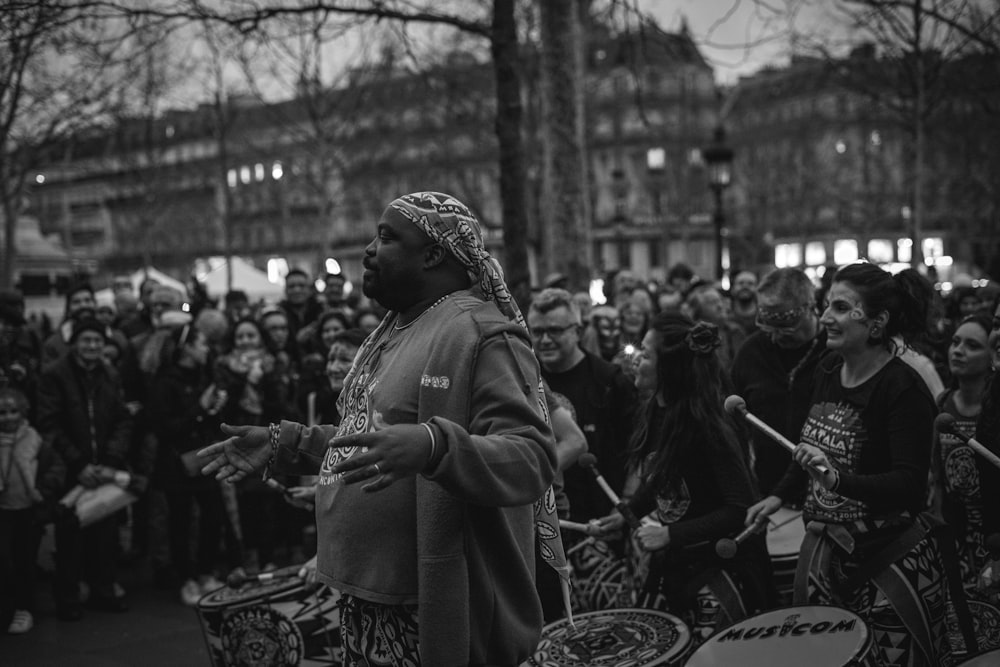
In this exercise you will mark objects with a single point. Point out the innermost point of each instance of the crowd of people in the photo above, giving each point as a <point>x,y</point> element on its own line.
<point>454,426</point>
<point>133,388</point>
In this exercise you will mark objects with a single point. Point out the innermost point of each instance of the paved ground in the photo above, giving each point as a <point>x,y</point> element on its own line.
<point>157,631</point>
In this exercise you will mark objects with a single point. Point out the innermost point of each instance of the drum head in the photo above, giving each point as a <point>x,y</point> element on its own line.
<point>251,592</point>
<point>634,637</point>
<point>785,533</point>
<point>817,636</point>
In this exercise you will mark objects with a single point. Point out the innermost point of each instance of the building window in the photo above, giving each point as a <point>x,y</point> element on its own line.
<point>880,251</point>
<point>815,253</point>
<point>654,253</point>
<point>904,250</point>
<point>787,254</point>
<point>845,251</point>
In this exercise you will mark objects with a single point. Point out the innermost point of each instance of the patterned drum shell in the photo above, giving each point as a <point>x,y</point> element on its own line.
<point>267,624</point>
<point>818,636</point>
<point>614,638</point>
<point>988,659</point>
<point>601,579</point>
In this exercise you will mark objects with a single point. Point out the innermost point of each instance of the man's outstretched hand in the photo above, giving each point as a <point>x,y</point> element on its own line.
<point>246,450</point>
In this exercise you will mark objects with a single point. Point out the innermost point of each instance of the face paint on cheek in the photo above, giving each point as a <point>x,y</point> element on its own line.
<point>857,312</point>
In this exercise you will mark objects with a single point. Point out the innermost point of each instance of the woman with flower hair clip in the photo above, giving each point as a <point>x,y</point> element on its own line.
<point>695,483</point>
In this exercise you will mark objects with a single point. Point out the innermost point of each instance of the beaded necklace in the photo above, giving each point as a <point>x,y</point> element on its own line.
<point>409,324</point>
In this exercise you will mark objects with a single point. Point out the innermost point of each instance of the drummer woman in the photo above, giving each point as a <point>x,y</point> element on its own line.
<point>954,463</point>
<point>870,429</point>
<point>988,434</point>
<point>958,492</point>
<point>694,480</point>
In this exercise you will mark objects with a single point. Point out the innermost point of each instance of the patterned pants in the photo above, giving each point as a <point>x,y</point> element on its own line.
<point>374,634</point>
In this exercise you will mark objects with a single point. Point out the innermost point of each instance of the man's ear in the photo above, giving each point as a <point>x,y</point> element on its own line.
<point>434,255</point>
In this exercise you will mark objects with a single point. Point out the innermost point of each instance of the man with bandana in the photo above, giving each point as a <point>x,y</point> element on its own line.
<point>773,370</point>
<point>431,489</point>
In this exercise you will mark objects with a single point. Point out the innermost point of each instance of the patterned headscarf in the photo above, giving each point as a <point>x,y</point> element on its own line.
<point>449,222</point>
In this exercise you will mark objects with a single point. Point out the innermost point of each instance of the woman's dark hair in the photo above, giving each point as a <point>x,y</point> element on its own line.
<point>265,338</point>
<point>362,312</point>
<point>354,337</point>
<point>982,320</point>
<point>338,315</point>
<point>903,297</point>
<point>692,385</point>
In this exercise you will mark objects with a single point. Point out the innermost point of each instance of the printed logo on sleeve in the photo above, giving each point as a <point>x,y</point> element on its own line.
<point>435,381</point>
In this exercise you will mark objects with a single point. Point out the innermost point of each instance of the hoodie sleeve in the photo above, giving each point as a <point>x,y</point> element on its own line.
<point>506,456</point>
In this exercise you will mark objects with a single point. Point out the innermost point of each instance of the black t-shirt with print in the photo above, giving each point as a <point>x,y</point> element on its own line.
<point>878,435</point>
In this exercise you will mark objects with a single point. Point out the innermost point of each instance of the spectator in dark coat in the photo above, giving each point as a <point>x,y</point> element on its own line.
<point>82,415</point>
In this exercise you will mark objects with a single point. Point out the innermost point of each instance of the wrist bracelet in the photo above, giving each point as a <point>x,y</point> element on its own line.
<point>430,432</point>
<point>274,434</point>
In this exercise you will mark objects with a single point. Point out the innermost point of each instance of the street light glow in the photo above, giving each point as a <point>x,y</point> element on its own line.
<point>656,159</point>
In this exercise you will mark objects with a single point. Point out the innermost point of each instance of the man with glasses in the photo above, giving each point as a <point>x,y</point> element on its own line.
<point>604,399</point>
<point>773,370</point>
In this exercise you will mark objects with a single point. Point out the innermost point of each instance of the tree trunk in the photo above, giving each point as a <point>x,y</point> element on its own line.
<point>506,66</point>
<point>10,242</point>
<point>919,114</point>
<point>565,225</point>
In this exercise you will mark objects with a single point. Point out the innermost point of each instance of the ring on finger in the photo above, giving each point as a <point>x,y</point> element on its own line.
<point>378,471</point>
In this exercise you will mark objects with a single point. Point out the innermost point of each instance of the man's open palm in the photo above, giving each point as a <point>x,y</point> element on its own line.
<point>246,450</point>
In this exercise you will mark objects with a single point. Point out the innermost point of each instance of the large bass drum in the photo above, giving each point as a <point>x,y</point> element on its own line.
<point>818,636</point>
<point>614,638</point>
<point>280,623</point>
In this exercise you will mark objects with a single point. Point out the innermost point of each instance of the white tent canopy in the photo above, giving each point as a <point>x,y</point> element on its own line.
<point>136,278</point>
<point>246,277</point>
<point>159,276</point>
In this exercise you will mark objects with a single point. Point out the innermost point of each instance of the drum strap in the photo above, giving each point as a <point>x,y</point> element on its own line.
<point>815,557</point>
<point>724,589</point>
<point>949,554</point>
<point>867,570</point>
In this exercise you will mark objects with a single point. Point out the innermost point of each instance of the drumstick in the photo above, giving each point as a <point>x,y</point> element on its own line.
<point>945,423</point>
<point>574,525</point>
<point>237,578</point>
<point>727,548</point>
<point>735,405</point>
<point>283,490</point>
<point>589,461</point>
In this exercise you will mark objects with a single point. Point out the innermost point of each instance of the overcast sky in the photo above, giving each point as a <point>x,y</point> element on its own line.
<point>737,36</point>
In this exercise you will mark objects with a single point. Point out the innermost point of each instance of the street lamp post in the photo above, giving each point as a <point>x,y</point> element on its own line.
<point>719,159</point>
<point>656,164</point>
